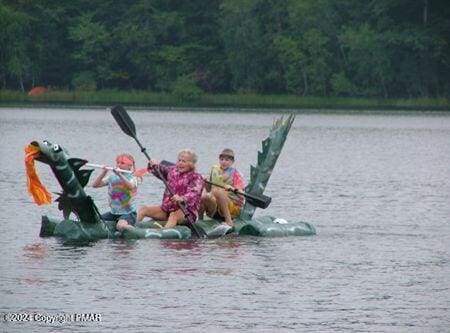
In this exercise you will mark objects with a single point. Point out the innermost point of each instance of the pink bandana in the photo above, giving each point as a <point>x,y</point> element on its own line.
<point>125,160</point>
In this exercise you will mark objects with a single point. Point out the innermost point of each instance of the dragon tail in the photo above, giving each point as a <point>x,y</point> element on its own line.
<point>267,158</point>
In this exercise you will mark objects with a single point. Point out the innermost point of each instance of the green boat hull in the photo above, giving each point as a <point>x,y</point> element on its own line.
<point>264,226</point>
<point>79,231</point>
<point>268,226</point>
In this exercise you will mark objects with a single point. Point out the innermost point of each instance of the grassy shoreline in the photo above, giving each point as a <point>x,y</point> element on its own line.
<point>151,99</point>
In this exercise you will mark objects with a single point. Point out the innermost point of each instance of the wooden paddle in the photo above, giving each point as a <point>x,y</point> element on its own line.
<point>127,125</point>
<point>261,201</point>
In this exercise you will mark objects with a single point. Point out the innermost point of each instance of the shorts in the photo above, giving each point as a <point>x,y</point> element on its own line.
<point>130,217</point>
<point>234,210</point>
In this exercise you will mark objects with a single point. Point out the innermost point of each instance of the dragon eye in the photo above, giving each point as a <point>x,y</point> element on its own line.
<point>56,147</point>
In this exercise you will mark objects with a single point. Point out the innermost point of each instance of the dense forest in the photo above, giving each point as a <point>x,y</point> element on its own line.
<point>357,48</point>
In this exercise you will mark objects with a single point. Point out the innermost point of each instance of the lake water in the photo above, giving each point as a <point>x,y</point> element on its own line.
<point>376,186</point>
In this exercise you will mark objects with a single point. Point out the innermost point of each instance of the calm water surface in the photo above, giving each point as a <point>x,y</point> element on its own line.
<point>376,186</point>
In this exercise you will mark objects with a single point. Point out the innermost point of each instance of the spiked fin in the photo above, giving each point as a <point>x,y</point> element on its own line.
<point>82,175</point>
<point>76,163</point>
<point>65,205</point>
<point>267,158</point>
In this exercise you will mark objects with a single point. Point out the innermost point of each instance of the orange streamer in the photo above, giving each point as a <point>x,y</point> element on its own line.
<point>35,188</point>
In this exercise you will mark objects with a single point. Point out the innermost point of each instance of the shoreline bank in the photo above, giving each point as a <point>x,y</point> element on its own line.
<point>141,99</point>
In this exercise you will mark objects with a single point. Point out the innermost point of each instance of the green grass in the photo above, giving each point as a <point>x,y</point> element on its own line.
<point>144,98</point>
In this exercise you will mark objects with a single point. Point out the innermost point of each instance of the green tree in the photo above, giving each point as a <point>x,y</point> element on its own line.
<point>186,89</point>
<point>292,60</point>
<point>341,85</point>
<point>368,60</point>
<point>14,43</point>
<point>317,69</point>
<point>312,28</point>
<point>308,47</point>
<point>243,44</point>
<point>416,36</point>
<point>94,42</point>
<point>204,47</point>
<point>133,56</point>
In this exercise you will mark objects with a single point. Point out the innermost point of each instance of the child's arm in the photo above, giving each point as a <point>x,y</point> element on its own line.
<point>99,181</point>
<point>209,178</point>
<point>238,182</point>
<point>131,185</point>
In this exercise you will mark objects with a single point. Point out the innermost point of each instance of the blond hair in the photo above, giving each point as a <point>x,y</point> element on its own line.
<point>190,154</point>
<point>128,156</point>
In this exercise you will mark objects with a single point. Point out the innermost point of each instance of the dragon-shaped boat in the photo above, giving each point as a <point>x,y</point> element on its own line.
<point>82,220</point>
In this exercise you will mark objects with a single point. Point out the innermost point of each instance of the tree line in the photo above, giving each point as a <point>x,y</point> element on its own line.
<point>354,48</point>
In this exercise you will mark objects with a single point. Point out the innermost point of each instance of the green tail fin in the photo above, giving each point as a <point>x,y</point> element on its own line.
<point>267,158</point>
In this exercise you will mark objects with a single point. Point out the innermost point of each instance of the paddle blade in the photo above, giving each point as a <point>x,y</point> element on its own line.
<point>260,201</point>
<point>123,119</point>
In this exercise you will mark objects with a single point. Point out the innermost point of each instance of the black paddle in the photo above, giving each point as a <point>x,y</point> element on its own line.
<point>261,201</point>
<point>127,125</point>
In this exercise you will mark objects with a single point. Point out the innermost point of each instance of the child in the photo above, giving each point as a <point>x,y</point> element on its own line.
<point>187,186</point>
<point>222,204</point>
<point>122,189</point>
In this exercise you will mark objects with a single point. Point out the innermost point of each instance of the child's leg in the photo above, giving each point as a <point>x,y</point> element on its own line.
<point>176,217</point>
<point>222,203</point>
<point>126,221</point>
<point>208,205</point>
<point>154,212</point>
<point>122,224</point>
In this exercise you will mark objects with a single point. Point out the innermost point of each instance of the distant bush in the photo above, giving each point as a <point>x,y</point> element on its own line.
<point>342,86</point>
<point>84,81</point>
<point>186,89</point>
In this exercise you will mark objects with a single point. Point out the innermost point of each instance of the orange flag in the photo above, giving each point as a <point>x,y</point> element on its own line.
<point>35,188</point>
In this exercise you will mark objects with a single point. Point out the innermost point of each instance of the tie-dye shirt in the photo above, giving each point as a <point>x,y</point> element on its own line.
<point>188,185</point>
<point>229,176</point>
<point>121,198</point>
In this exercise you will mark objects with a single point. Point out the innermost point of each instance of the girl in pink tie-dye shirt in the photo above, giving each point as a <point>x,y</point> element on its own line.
<point>187,186</point>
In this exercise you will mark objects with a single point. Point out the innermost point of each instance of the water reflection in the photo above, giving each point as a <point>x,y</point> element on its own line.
<point>189,247</point>
<point>34,256</point>
<point>123,248</point>
<point>36,251</point>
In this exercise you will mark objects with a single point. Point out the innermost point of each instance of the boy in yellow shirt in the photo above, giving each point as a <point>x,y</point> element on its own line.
<point>218,203</point>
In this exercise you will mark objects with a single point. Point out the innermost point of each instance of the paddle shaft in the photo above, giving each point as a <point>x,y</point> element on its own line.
<point>160,176</point>
<point>100,166</point>
<point>127,125</point>
<point>261,201</point>
<point>180,204</point>
<point>258,201</point>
